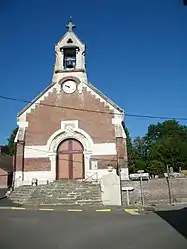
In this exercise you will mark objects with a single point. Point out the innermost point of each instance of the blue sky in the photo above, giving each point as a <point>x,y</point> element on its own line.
<point>136,54</point>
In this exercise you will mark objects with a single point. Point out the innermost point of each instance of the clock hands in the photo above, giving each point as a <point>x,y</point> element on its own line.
<point>69,87</point>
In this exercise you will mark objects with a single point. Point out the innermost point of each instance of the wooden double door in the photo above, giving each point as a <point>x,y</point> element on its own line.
<point>70,161</point>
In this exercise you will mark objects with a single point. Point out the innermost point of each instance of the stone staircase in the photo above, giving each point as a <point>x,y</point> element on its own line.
<point>21,195</point>
<point>59,193</point>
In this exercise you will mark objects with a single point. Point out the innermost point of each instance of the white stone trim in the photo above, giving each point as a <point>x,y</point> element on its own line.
<point>69,129</point>
<point>69,122</point>
<point>42,151</point>
<point>22,124</point>
<point>37,151</point>
<point>48,176</point>
<point>104,149</point>
<point>76,133</point>
<point>117,122</point>
<point>16,137</point>
<point>22,117</point>
<point>102,100</point>
<point>57,87</point>
<point>20,135</point>
<point>117,119</point>
<point>42,176</point>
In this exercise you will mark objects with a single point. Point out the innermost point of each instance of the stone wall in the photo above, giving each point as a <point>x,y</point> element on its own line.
<point>156,191</point>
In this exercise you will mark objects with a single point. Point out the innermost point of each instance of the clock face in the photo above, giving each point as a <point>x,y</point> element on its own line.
<point>69,86</point>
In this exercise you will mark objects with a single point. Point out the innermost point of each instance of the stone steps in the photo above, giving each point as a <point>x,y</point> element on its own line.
<point>60,193</point>
<point>21,194</point>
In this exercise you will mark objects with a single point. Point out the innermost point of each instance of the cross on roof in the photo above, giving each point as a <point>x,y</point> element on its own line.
<point>70,25</point>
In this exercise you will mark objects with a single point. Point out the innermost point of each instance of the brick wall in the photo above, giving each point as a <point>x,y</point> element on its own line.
<point>3,178</point>
<point>45,120</point>
<point>19,157</point>
<point>156,191</point>
<point>37,164</point>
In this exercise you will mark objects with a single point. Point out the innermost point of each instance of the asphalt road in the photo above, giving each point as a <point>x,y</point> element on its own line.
<point>68,230</point>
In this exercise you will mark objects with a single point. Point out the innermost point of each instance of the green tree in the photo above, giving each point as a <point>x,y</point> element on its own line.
<point>155,167</point>
<point>140,153</point>
<point>140,148</point>
<point>130,152</point>
<point>11,141</point>
<point>139,164</point>
<point>167,144</point>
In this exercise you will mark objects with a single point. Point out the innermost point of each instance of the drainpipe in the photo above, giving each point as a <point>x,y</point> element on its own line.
<point>118,169</point>
<point>14,165</point>
<point>23,160</point>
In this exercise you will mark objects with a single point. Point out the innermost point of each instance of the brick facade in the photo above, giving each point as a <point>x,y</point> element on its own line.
<point>96,118</point>
<point>45,120</point>
<point>37,164</point>
<point>20,156</point>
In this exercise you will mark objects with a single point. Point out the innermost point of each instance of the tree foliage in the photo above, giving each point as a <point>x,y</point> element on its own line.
<point>163,144</point>
<point>11,141</point>
<point>129,150</point>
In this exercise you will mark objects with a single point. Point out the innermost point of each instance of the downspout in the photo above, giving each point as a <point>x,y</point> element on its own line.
<point>23,160</point>
<point>123,125</point>
<point>14,165</point>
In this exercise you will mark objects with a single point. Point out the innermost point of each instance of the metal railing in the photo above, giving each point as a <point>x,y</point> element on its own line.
<point>90,177</point>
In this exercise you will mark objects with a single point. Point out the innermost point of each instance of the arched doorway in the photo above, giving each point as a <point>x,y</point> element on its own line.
<point>70,163</point>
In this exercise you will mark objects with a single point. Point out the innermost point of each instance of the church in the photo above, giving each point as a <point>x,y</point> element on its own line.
<point>70,130</point>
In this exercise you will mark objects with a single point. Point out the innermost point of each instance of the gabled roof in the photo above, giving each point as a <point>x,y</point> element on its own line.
<point>35,99</point>
<point>70,34</point>
<point>105,97</point>
<point>88,84</point>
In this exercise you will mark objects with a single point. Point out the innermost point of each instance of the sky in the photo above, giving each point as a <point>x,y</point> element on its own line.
<point>136,54</point>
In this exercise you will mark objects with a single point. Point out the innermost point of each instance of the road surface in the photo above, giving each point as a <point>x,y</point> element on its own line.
<point>89,230</point>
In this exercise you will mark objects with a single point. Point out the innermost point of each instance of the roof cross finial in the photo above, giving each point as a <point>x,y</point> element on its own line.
<point>70,25</point>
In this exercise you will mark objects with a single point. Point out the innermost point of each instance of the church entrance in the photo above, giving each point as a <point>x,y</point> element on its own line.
<point>70,163</point>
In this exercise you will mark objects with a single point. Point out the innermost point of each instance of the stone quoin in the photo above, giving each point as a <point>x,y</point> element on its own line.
<point>70,130</point>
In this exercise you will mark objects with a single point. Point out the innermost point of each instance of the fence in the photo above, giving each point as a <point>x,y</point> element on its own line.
<point>156,191</point>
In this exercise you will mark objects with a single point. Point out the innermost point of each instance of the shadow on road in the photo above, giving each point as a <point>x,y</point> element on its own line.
<point>176,218</point>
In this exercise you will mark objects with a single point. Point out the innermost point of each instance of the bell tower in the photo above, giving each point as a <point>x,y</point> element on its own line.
<point>70,55</point>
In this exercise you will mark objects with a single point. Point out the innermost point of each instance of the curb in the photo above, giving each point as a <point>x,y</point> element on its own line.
<point>107,210</point>
<point>149,209</point>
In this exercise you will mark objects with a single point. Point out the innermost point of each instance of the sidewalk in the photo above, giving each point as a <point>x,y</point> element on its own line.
<point>169,207</point>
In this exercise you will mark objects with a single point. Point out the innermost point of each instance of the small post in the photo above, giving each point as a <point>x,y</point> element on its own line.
<point>141,186</point>
<point>119,170</point>
<point>168,183</point>
<point>128,199</point>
